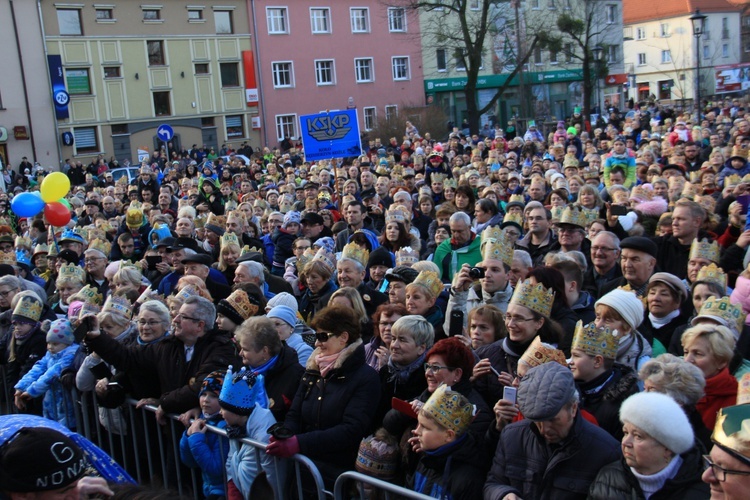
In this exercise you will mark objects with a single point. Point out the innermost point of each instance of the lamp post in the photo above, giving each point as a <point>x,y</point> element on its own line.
<point>698,20</point>
<point>597,52</point>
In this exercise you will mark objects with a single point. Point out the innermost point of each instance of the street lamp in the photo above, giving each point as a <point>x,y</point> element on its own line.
<point>597,51</point>
<point>698,21</point>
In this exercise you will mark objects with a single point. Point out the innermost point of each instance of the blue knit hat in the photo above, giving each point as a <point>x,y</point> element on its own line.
<point>242,391</point>
<point>325,242</point>
<point>291,218</point>
<point>60,331</point>
<point>285,314</point>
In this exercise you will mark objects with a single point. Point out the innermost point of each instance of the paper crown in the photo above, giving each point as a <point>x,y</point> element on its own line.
<point>326,257</point>
<point>248,249</point>
<point>406,256</point>
<point>41,248</point>
<point>72,272</point>
<point>743,390</point>
<point>241,391</point>
<point>732,180</point>
<point>556,213</point>
<point>23,242</point>
<point>703,249</point>
<point>689,191</point>
<point>431,281</point>
<point>513,218</point>
<point>495,246</point>
<point>118,305</point>
<point>134,217</point>
<point>570,161</point>
<point>438,177</point>
<point>8,258</point>
<point>229,239</point>
<point>452,410</point>
<point>96,233</point>
<point>534,297</point>
<point>186,292</point>
<point>590,173</point>
<point>200,222</point>
<point>355,252</point>
<point>28,308</point>
<point>90,295</point>
<point>216,220</point>
<point>102,246</point>
<point>71,235</point>
<point>724,310</point>
<point>517,198</point>
<point>732,431</point>
<point>394,216</point>
<point>712,274</point>
<point>240,302</point>
<point>573,215</point>
<point>596,341</point>
<point>450,183</point>
<point>707,202</point>
<point>539,353</point>
<point>53,250</point>
<point>303,259</point>
<point>738,150</point>
<point>377,457</point>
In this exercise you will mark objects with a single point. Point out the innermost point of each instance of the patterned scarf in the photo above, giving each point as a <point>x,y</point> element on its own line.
<point>401,374</point>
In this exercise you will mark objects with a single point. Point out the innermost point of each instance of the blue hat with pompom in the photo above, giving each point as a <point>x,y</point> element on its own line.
<point>241,391</point>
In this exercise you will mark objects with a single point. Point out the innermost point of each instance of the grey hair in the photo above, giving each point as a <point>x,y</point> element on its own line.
<point>578,258</point>
<point>574,398</point>
<point>116,318</point>
<point>417,328</point>
<point>612,236</point>
<point>204,310</point>
<point>11,281</point>
<point>187,212</point>
<point>357,264</point>
<point>157,308</point>
<point>675,377</point>
<point>405,195</point>
<point>461,217</point>
<point>255,269</point>
<point>524,257</point>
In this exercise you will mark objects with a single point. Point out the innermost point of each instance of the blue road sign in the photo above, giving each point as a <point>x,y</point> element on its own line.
<point>328,135</point>
<point>165,132</point>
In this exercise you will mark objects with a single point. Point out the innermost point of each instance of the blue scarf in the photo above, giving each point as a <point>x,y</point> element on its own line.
<point>401,374</point>
<point>265,366</point>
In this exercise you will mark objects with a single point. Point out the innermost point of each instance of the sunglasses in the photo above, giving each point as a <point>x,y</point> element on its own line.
<point>324,336</point>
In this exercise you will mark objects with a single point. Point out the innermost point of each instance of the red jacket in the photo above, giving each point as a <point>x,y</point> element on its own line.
<point>721,391</point>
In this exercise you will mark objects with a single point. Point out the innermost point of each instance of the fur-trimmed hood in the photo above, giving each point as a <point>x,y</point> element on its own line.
<point>652,208</point>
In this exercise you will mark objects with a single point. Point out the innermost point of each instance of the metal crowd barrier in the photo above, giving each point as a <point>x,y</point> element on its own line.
<point>340,491</point>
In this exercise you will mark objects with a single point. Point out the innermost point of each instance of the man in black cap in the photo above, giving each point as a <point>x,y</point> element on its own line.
<point>313,227</point>
<point>375,210</point>
<point>637,262</point>
<point>92,208</point>
<point>378,263</point>
<point>398,278</point>
<point>44,464</point>
<point>181,248</point>
<point>200,265</point>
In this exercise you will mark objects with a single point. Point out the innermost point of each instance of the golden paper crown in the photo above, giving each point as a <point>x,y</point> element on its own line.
<point>29,307</point>
<point>591,214</point>
<point>452,410</point>
<point>406,256</point>
<point>229,239</point>
<point>596,341</point>
<point>394,216</point>
<point>341,172</point>
<point>200,222</point>
<point>53,250</point>
<point>438,177</point>
<point>237,214</point>
<point>724,309</point>
<point>704,249</point>
<point>217,220</point>
<point>689,191</point>
<point>23,242</point>
<point>356,252</point>
<point>118,305</point>
<point>303,259</point>
<point>241,303</point>
<point>72,272</point>
<point>248,249</point>
<point>431,281</point>
<point>90,295</point>
<point>556,213</point>
<point>539,353</point>
<point>590,173</point>
<point>514,217</point>
<point>186,292</point>
<point>496,246</point>
<point>746,178</point>
<point>707,202</point>
<point>326,257</point>
<point>738,150</point>
<point>102,246</point>
<point>695,177</point>
<point>732,430</point>
<point>517,198</point>
<point>8,258</point>
<point>712,274</point>
<point>536,298</point>
<point>449,183</point>
<point>96,233</point>
<point>639,192</point>
<point>570,161</point>
<point>41,248</point>
<point>732,180</point>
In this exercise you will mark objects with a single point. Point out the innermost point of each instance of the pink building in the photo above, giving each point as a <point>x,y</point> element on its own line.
<point>314,56</point>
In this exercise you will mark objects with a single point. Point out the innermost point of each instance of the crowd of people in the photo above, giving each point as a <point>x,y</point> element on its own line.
<point>558,315</point>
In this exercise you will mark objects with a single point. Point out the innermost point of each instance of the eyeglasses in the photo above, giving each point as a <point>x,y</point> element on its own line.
<point>720,472</point>
<point>92,259</point>
<point>435,368</point>
<point>602,249</point>
<point>7,292</point>
<point>152,323</point>
<point>182,316</point>
<point>324,336</point>
<point>385,323</point>
<point>509,318</point>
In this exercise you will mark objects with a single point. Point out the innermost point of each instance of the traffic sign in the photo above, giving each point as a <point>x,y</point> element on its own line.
<point>165,132</point>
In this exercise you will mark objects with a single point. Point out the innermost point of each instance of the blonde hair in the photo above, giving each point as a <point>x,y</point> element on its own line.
<point>356,300</point>
<point>198,283</point>
<point>720,339</point>
<point>222,265</point>
<point>130,275</point>
<point>675,377</point>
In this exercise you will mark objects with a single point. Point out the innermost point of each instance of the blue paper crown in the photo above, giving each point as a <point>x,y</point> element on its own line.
<point>71,235</point>
<point>22,258</point>
<point>241,391</point>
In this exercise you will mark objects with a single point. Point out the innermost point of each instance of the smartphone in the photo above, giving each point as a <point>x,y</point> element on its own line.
<point>83,328</point>
<point>492,369</point>
<point>509,394</point>
<point>456,325</point>
<point>100,371</point>
<point>114,384</point>
<point>152,261</point>
<point>618,210</point>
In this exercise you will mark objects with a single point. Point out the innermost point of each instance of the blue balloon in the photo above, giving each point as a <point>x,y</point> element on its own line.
<point>27,204</point>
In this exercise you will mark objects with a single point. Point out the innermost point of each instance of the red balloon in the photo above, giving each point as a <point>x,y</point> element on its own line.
<point>56,213</point>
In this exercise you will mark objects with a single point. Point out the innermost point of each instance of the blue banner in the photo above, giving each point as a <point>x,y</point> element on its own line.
<point>334,134</point>
<point>59,93</point>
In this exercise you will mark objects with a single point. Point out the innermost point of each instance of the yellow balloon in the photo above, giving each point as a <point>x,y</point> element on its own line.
<point>55,186</point>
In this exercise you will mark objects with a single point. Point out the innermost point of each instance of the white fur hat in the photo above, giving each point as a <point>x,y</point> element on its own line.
<point>282,299</point>
<point>626,304</point>
<point>659,416</point>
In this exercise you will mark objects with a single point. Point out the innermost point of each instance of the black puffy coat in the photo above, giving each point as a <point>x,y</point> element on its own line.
<point>616,481</point>
<point>525,464</point>
<point>605,402</point>
<point>282,381</point>
<point>331,415</point>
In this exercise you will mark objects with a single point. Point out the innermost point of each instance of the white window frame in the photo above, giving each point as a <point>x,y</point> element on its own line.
<point>373,119</point>
<point>612,54</point>
<point>230,14</point>
<point>664,30</point>
<point>318,71</point>
<point>242,125</point>
<point>392,18</point>
<point>393,68</point>
<point>666,57</point>
<point>640,33</point>
<point>316,19</point>
<point>706,52</point>
<point>69,9</point>
<point>445,60</point>
<point>151,8</point>
<point>281,127</point>
<point>724,50</point>
<point>537,57</point>
<point>272,22</point>
<point>641,59</point>
<point>391,111</point>
<point>355,19</point>
<point>535,5</point>
<point>371,69</point>
<point>474,4</point>
<point>611,13</point>
<point>274,71</point>
<point>554,57</point>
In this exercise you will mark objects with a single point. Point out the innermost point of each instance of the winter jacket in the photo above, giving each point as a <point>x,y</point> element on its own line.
<point>44,380</point>
<point>537,254</point>
<point>617,482</point>
<point>330,415</point>
<point>584,308</point>
<point>730,170</point>
<point>282,381</point>
<point>242,465</point>
<point>179,380</point>
<point>503,356</point>
<point>664,334</point>
<point>720,392</point>
<point>455,470</point>
<point>303,350</point>
<point>626,161</point>
<point>672,256</point>
<point>449,259</point>
<point>310,303</point>
<point>26,353</point>
<point>203,450</point>
<point>283,243</point>
<point>525,464</point>
<point>411,389</point>
<point>603,396</point>
<point>473,298</point>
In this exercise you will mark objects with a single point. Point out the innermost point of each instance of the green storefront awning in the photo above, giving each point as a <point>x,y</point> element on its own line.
<point>496,81</point>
